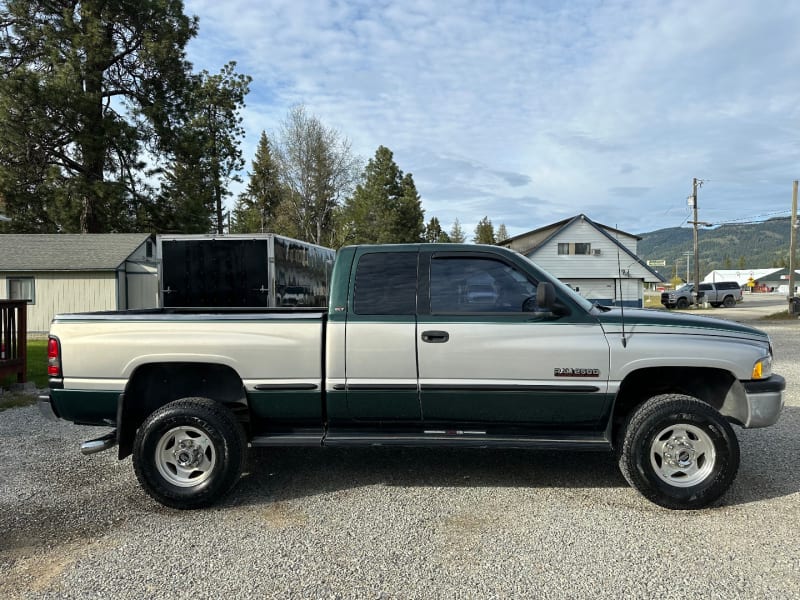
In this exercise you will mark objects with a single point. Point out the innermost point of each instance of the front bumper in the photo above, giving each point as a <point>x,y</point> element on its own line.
<point>764,401</point>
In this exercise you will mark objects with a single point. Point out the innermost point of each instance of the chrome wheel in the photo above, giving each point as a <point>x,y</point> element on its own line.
<point>185,456</point>
<point>683,455</point>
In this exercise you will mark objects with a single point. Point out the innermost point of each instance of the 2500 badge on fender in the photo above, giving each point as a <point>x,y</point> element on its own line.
<point>570,372</point>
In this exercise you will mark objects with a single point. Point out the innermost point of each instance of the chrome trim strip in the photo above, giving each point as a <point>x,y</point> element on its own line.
<point>285,386</point>
<point>472,387</point>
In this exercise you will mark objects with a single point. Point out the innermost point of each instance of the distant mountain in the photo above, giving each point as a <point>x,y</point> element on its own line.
<point>751,246</point>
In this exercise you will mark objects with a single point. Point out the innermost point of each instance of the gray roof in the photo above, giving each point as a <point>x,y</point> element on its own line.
<point>67,251</point>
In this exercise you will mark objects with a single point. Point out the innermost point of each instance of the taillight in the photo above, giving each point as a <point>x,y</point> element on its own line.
<point>53,358</point>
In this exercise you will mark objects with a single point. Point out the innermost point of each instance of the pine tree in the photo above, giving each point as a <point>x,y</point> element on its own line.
<point>502,233</point>
<point>457,235</point>
<point>409,217</point>
<point>385,207</point>
<point>484,232</point>
<point>256,207</point>
<point>186,201</point>
<point>434,232</point>
<point>217,127</point>
<point>85,87</point>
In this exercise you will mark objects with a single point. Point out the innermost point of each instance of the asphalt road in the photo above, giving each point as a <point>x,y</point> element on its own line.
<point>398,523</point>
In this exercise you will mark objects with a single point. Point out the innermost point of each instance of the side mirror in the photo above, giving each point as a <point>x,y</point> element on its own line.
<point>545,301</point>
<point>545,296</point>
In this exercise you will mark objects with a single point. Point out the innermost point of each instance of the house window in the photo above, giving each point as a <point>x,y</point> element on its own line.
<point>21,288</point>
<point>574,248</point>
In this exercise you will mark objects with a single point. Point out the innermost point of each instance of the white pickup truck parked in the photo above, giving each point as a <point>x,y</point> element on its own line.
<point>413,350</point>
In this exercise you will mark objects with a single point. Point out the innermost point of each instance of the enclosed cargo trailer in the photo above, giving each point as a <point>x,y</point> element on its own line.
<point>242,270</point>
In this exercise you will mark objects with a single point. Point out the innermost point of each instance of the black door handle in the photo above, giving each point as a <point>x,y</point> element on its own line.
<point>435,337</point>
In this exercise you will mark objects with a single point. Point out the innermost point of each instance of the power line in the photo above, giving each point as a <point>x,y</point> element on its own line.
<point>753,220</point>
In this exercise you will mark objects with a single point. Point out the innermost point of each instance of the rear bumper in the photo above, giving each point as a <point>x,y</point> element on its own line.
<point>46,408</point>
<point>765,401</point>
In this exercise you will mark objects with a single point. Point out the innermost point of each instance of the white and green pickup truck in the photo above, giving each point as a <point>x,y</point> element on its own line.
<point>421,345</point>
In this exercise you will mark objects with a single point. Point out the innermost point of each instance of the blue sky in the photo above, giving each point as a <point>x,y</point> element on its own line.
<point>531,112</point>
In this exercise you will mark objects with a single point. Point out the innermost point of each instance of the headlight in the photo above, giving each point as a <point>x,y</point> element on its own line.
<point>763,368</point>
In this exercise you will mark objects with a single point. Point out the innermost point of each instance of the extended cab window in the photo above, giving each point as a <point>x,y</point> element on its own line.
<point>470,284</point>
<point>386,284</point>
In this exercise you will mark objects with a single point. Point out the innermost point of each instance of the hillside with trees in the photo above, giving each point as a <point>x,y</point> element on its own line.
<point>732,246</point>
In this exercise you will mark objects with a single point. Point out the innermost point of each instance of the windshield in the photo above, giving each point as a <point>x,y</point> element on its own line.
<point>686,287</point>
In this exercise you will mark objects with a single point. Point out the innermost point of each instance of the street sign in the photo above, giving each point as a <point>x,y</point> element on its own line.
<point>657,263</point>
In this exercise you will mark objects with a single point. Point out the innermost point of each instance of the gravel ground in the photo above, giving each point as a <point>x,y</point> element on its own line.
<point>397,523</point>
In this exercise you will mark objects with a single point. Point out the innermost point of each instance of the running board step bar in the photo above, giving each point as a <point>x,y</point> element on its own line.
<point>467,440</point>
<point>288,439</point>
<point>105,442</point>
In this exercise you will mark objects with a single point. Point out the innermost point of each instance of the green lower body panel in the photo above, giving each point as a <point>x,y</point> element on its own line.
<point>91,407</point>
<point>290,406</point>
<point>563,411</point>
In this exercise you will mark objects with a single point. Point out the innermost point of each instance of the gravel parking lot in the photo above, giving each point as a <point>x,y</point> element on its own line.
<point>389,523</point>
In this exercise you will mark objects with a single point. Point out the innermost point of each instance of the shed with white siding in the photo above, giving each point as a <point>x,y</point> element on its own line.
<point>63,273</point>
<point>597,261</point>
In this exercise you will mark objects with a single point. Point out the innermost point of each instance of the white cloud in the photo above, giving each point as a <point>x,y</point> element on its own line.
<point>529,113</point>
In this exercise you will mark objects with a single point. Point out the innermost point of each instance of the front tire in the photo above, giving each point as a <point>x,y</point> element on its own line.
<point>679,452</point>
<point>189,453</point>
<point>682,303</point>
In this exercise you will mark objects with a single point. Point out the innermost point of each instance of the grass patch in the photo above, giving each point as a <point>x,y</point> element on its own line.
<point>37,362</point>
<point>780,316</point>
<point>37,365</point>
<point>15,400</point>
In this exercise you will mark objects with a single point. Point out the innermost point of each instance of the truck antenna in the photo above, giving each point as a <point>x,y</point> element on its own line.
<point>621,299</point>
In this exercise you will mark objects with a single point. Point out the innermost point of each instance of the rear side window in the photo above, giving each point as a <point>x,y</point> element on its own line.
<point>727,285</point>
<point>386,284</point>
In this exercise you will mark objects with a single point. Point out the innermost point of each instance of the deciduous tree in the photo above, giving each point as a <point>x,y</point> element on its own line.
<point>317,170</point>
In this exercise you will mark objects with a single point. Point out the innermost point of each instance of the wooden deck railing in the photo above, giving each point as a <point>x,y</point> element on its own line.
<point>13,339</point>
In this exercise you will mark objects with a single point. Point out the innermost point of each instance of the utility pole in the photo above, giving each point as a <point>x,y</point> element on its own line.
<point>696,183</point>
<point>792,247</point>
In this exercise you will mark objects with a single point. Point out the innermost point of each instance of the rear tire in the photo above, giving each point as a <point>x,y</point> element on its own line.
<point>729,302</point>
<point>679,452</point>
<point>189,453</point>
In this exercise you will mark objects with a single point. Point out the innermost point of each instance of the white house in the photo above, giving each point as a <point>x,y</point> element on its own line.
<point>61,273</point>
<point>597,261</point>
